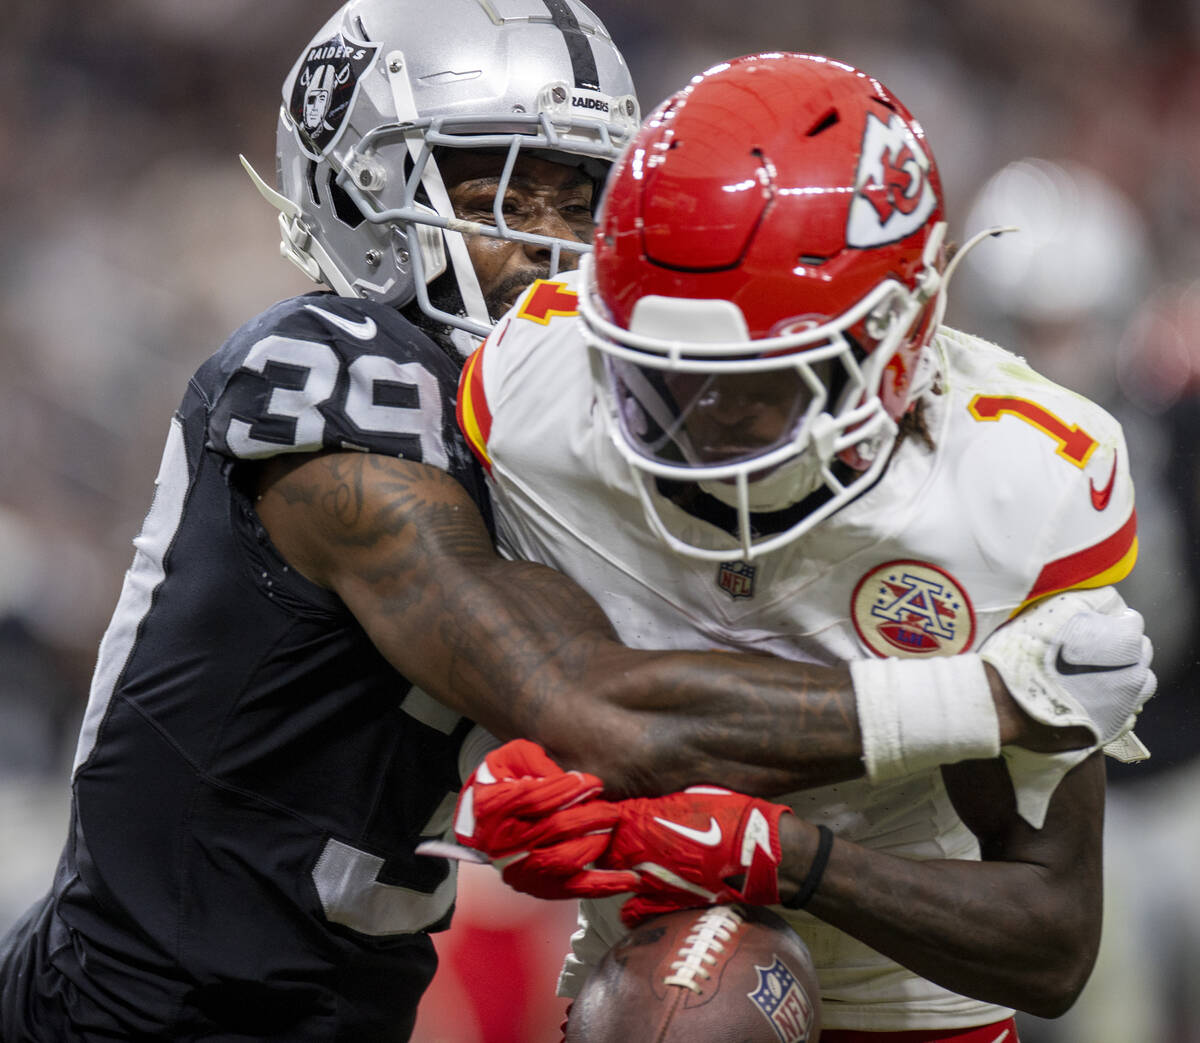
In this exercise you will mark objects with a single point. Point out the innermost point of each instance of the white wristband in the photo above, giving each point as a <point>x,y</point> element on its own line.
<point>917,714</point>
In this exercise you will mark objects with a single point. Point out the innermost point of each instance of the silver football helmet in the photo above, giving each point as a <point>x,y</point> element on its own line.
<point>386,83</point>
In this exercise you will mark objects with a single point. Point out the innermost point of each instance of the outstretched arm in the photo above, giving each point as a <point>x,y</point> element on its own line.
<point>524,651</point>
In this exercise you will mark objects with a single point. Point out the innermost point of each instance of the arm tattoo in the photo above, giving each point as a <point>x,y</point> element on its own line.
<point>523,650</point>
<point>343,500</point>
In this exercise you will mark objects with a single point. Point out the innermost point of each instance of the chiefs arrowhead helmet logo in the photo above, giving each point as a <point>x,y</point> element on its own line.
<point>893,195</point>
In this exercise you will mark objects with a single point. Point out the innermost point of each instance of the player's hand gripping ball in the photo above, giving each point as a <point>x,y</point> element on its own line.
<point>726,974</point>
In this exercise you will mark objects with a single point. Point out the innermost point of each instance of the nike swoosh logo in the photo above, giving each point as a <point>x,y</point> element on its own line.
<point>1064,667</point>
<point>363,330</point>
<point>757,834</point>
<point>1100,497</point>
<point>710,837</point>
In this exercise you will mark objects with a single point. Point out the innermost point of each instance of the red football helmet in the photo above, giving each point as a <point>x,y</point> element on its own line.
<point>767,271</point>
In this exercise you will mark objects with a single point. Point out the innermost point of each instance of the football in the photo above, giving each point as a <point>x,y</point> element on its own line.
<point>727,974</point>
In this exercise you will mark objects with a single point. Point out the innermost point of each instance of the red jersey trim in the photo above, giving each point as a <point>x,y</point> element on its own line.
<point>474,417</point>
<point>1107,562</point>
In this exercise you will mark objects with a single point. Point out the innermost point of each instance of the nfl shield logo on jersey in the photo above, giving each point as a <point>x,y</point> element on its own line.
<point>912,609</point>
<point>736,578</point>
<point>783,1002</point>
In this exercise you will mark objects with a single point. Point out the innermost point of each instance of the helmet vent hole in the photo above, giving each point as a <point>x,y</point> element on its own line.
<point>312,183</point>
<point>830,119</point>
<point>343,205</point>
<point>812,260</point>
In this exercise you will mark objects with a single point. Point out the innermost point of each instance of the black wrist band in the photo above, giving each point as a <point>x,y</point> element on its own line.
<point>809,885</point>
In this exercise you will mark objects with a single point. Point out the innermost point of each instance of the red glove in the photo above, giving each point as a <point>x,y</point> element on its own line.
<point>504,805</point>
<point>539,824</point>
<point>544,828</point>
<point>704,846</point>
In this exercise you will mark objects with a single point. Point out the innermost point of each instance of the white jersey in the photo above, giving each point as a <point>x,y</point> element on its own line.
<point>1026,492</point>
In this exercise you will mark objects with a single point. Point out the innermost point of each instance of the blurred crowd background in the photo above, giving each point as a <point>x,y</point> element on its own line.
<point>132,244</point>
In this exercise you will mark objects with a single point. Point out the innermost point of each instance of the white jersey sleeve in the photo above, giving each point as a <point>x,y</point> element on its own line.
<point>1039,472</point>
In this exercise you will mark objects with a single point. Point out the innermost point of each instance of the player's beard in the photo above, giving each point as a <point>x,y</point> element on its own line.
<point>504,294</point>
<point>444,293</point>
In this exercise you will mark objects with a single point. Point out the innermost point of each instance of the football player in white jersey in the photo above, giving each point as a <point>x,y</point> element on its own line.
<point>742,426</point>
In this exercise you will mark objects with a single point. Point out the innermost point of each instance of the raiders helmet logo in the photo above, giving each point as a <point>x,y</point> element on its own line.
<point>892,194</point>
<point>324,91</point>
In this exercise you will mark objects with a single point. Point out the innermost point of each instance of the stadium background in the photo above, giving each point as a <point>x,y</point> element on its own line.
<point>133,243</point>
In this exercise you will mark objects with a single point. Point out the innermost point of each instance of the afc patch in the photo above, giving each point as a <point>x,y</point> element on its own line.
<point>736,578</point>
<point>324,90</point>
<point>912,609</point>
<point>783,1002</point>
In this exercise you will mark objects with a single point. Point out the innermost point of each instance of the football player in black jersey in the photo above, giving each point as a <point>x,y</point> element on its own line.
<point>285,702</point>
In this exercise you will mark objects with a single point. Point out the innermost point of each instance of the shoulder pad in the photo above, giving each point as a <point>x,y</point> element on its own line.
<point>512,347</point>
<point>327,372</point>
<point>1054,464</point>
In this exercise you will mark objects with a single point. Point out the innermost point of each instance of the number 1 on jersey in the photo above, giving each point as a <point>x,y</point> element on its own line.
<point>1074,444</point>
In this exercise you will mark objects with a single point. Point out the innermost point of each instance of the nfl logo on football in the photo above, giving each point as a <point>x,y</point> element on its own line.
<point>783,1002</point>
<point>736,578</point>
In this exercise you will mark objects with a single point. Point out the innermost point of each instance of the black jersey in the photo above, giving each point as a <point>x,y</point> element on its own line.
<point>252,776</point>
